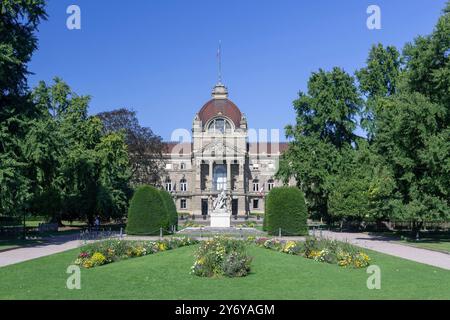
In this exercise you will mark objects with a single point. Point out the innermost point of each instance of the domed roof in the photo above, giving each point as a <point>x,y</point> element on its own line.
<point>220,107</point>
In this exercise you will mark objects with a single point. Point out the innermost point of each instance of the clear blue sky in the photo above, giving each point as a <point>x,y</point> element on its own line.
<point>158,57</point>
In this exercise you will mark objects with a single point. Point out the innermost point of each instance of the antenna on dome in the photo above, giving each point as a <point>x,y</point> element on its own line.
<point>219,62</point>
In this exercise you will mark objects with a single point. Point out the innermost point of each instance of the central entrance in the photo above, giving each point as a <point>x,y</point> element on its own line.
<point>220,177</point>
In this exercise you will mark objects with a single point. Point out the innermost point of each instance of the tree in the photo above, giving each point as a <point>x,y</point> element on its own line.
<point>19,20</point>
<point>380,78</point>
<point>363,188</point>
<point>144,147</point>
<point>417,151</point>
<point>428,62</point>
<point>323,134</point>
<point>79,172</point>
<point>114,190</point>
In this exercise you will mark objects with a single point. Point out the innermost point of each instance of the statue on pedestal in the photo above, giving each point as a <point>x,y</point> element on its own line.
<point>220,203</point>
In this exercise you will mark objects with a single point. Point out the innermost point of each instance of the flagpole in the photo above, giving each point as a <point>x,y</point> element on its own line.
<point>219,57</point>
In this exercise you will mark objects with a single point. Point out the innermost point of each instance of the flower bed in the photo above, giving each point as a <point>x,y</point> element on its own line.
<point>321,250</point>
<point>222,256</point>
<point>108,251</point>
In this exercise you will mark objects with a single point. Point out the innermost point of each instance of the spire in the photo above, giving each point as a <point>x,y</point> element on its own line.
<point>219,91</point>
<point>219,62</point>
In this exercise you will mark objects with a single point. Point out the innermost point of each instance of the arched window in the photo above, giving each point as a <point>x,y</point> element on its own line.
<point>219,125</point>
<point>183,166</point>
<point>183,185</point>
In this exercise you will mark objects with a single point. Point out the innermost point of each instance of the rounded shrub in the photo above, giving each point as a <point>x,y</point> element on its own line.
<point>147,212</point>
<point>286,209</point>
<point>170,207</point>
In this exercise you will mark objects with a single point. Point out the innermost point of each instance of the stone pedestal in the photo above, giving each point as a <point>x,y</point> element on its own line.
<point>220,219</point>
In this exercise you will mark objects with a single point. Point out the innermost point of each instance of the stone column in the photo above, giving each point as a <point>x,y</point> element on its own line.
<point>211,182</point>
<point>241,183</point>
<point>228,174</point>
<point>197,176</point>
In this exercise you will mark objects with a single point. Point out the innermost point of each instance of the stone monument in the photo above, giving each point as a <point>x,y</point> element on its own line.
<point>221,213</point>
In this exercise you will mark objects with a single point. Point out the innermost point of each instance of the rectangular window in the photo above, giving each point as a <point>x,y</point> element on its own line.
<point>183,186</point>
<point>169,186</point>
<point>183,204</point>
<point>255,203</point>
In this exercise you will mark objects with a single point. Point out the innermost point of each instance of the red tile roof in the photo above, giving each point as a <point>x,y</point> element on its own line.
<point>183,148</point>
<point>216,107</point>
<point>267,147</point>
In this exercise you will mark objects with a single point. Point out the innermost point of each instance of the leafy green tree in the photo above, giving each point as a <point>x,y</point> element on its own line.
<point>380,78</point>
<point>19,20</point>
<point>416,150</point>
<point>145,149</point>
<point>80,172</point>
<point>363,189</point>
<point>115,173</point>
<point>428,62</point>
<point>322,136</point>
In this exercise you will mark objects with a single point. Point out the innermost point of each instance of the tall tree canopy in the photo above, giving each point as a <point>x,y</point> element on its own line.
<point>76,165</point>
<point>19,20</point>
<point>144,147</point>
<point>401,171</point>
<point>323,135</point>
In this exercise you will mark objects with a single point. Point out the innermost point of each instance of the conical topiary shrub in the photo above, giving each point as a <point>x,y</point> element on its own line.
<point>171,208</point>
<point>147,212</point>
<point>286,210</point>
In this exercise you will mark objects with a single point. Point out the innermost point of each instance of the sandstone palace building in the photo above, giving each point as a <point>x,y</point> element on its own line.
<point>220,157</point>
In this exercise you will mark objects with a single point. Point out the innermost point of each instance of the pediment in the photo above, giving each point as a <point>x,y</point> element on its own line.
<point>220,148</point>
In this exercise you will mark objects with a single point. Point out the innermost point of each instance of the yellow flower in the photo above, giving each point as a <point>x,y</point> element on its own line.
<point>88,264</point>
<point>98,259</point>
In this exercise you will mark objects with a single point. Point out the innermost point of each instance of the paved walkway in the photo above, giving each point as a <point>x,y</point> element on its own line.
<point>375,243</point>
<point>47,247</point>
<point>389,246</point>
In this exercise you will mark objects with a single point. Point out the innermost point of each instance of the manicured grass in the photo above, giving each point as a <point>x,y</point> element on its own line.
<point>437,241</point>
<point>436,245</point>
<point>274,275</point>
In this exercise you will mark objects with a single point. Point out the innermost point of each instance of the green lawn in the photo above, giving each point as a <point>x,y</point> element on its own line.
<point>438,241</point>
<point>274,276</point>
<point>437,245</point>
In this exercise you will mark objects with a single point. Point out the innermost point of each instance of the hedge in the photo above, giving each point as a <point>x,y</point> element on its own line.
<point>171,208</point>
<point>147,212</point>
<point>286,209</point>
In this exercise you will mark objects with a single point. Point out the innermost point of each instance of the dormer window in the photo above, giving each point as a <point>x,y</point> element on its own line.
<point>219,125</point>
